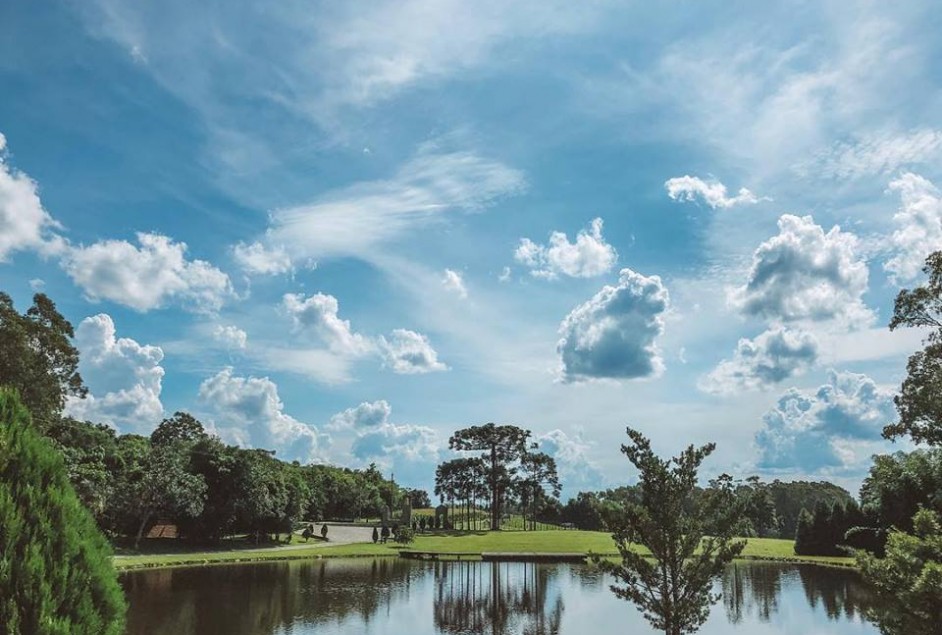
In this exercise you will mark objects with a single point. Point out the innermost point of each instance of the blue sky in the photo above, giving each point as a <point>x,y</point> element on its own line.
<point>342,231</point>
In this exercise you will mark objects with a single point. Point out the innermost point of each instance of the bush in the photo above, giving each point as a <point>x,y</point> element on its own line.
<point>404,536</point>
<point>56,575</point>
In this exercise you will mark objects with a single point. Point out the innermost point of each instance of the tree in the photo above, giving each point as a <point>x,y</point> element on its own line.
<point>503,447</point>
<point>899,484</point>
<point>56,575</point>
<point>181,428</point>
<point>919,401</point>
<point>37,358</point>
<point>672,587</point>
<point>539,472</point>
<point>805,542</point>
<point>908,581</point>
<point>419,499</point>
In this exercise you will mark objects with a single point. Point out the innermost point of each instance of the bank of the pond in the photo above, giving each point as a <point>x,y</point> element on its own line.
<point>507,542</point>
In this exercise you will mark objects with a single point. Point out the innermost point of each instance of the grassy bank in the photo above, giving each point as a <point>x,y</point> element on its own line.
<point>475,542</point>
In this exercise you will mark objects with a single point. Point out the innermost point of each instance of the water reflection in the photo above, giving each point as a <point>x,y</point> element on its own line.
<point>753,590</point>
<point>399,596</point>
<point>477,597</point>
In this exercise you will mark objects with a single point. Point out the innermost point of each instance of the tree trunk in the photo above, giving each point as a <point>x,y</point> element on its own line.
<point>140,530</point>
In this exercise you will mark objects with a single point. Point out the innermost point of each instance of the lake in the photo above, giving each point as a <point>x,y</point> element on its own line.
<point>393,596</point>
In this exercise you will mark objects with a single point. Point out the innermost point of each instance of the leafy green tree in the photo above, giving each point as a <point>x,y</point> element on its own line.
<point>37,357</point>
<point>419,499</point>
<point>180,429</point>
<point>90,452</point>
<point>56,576</point>
<point>502,449</point>
<point>673,586</point>
<point>919,401</point>
<point>154,483</point>
<point>908,581</point>
<point>899,484</point>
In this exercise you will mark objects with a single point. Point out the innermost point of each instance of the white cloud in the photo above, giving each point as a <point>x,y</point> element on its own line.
<point>24,223</point>
<point>368,414</point>
<point>319,314</point>
<point>713,193</point>
<point>919,222</point>
<point>257,258</point>
<point>407,449</point>
<point>589,256</point>
<point>148,275</point>
<point>806,274</point>
<point>407,352</point>
<point>832,427</point>
<point>124,378</point>
<point>504,275</point>
<point>231,336</point>
<point>454,283</point>
<point>571,452</point>
<point>249,412</point>
<point>613,335</point>
<point>874,154</point>
<point>770,358</point>
<point>354,220</point>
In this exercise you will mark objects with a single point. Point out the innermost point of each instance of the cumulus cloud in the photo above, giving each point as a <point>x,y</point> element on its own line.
<point>919,227</point>
<point>613,335</point>
<point>588,256</point>
<point>319,314</point>
<point>248,411</point>
<point>824,428</point>
<point>407,352</point>
<point>804,273</point>
<point>770,358</point>
<point>368,414</point>
<point>24,223</point>
<point>454,283</point>
<point>403,352</point>
<point>259,259</point>
<point>712,192</point>
<point>570,451</point>
<point>419,443</point>
<point>148,275</point>
<point>124,378</point>
<point>873,154</point>
<point>231,336</point>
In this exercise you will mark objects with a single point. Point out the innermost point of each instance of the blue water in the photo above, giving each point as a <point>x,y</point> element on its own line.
<point>400,597</point>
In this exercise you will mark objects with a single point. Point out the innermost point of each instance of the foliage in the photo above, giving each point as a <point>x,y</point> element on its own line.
<point>37,357</point>
<point>790,497</point>
<point>419,499</point>
<point>899,484</point>
<point>919,402</point>
<point>908,581</point>
<point>672,587</point>
<point>824,532</point>
<point>56,575</point>
<point>404,535</point>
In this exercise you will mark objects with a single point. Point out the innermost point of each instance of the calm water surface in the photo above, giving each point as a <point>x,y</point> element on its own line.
<point>414,598</point>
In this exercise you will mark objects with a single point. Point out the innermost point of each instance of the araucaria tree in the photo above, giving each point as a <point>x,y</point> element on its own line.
<point>56,576</point>
<point>503,451</point>
<point>672,584</point>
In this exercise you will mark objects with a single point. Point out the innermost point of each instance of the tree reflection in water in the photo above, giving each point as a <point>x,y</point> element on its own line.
<point>497,598</point>
<point>755,588</point>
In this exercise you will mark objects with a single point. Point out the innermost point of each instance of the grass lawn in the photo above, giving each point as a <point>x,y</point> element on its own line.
<point>442,542</point>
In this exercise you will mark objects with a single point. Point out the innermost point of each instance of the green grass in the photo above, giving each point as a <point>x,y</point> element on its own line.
<point>445,542</point>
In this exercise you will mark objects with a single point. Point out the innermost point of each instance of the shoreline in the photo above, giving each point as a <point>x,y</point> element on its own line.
<point>125,563</point>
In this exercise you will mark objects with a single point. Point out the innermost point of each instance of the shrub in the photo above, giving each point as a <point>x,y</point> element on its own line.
<point>56,575</point>
<point>404,536</point>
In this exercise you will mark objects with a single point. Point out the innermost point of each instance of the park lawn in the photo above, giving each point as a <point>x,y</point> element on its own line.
<point>236,555</point>
<point>443,543</point>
